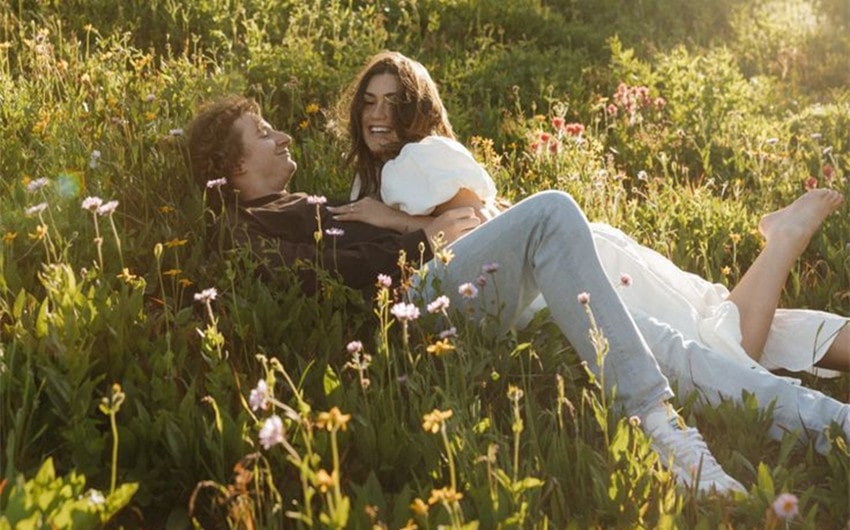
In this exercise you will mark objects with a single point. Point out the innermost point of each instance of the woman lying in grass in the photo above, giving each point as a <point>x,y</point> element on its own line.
<point>404,152</point>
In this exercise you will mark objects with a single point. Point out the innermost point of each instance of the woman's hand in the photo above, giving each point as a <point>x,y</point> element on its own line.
<point>376,213</point>
<point>452,223</point>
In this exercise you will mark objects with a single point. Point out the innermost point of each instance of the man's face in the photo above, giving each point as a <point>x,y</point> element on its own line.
<point>266,166</point>
<point>379,103</point>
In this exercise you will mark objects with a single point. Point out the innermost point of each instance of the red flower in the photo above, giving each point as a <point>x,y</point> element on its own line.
<point>545,137</point>
<point>557,122</point>
<point>574,129</point>
<point>828,171</point>
<point>811,183</point>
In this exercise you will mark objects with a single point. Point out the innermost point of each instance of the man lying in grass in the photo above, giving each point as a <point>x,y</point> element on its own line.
<point>541,241</point>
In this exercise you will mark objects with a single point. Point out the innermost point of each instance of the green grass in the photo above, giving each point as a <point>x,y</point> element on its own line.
<point>93,102</point>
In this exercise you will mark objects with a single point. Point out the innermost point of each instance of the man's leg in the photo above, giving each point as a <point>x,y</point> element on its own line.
<point>717,377</point>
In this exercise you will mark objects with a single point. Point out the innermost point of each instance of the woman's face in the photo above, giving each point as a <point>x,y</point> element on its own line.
<point>378,120</point>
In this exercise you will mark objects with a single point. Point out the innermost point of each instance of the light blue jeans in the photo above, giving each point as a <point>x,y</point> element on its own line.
<point>544,245</point>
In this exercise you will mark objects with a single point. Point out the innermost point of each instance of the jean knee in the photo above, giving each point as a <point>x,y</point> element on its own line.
<point>558,207</point>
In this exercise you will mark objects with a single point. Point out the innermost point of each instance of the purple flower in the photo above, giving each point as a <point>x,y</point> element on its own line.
<point>107,208</point>
<point>490,268</point>
<point>481,281</point>
<point>446,333</point>
<point>175,132</point>
<point>37,184</point>
<point>271,433</point>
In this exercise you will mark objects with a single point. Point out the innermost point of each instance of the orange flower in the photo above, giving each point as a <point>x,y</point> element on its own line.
<point>176,243</point>
<point>8,237</point>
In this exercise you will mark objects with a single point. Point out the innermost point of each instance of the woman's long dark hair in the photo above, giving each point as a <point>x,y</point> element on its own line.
<point>417,113</point>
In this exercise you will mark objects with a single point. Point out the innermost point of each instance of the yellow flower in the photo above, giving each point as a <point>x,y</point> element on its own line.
<point>172,272</point>
<point>312,108</point>
<point>8,237</point>
<point>304,124</point>
<point>736,238</point>
<point>26,180</point>
<point>726,271</point>
<point>515,393</point>
<point>411,525</point>
<point>434,420</point>
<point>419,507</point>
<point>40,232</point>
<point>444,495</point>
<point>166,209</point>
<point>150,116</point>
<point>324,480</point>
<point>440,347</point>
<point>184,282</point>
<point>176,243</point>
<point>332,419</point>
<point>126,276</point>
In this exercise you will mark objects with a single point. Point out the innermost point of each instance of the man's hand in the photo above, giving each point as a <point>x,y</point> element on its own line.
<point>452,223</point>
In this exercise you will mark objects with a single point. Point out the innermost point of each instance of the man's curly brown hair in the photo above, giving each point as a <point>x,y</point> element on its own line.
<point>215,147</point>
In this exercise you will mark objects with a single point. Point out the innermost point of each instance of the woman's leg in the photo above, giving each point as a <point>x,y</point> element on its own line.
<point>838,355</point>
<point>787,233</point>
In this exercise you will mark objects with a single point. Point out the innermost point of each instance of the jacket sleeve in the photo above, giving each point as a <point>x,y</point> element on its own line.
<point>358,264</point>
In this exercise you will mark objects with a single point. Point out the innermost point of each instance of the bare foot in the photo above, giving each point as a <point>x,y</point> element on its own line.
<point>796,223</point>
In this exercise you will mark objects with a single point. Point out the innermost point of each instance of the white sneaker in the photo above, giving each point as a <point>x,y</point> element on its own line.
<point>683,450</point>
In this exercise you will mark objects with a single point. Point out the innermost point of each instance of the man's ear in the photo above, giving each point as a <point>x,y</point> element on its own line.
<point>240,168</point>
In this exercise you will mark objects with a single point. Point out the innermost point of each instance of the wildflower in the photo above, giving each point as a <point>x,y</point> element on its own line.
<point>446,494</point>
<point>481,281</point>
<point>786,506</point>
<point>384,281</point>
<point>642,175</point>
<point>434,420</point>
<point>451,332</point>
<point>126,275</point>
<point>574,129</point>
<point>216,183</point>
<point>259,397</point>
<point>772,141</point>
<point>816,136</point>
<point>444,255</point>
<point>634,421</point>
<point>583,298</point>
<point>726,271</point>
<point>8,237</point>
<point>405,312</point>
<point>37,184</point>
<point>96,498</point>
<point>107,208</point>
<point>93,158</point>
<point>515,393</point>
<point>167,209</point>
<point>490,268</point>
<point>172,272</point>
<point>354,346</point>
<point>37,209</point>
<point>441,347</point>
<point>545,137</point>
<point>333,419</point>
<point>304,124</point>
<point>324,480</point>
<point>184,282</point>
<point>176,243</point>
<point>92,203</point>
<point>316,199</point>
<point>467,290</point>
<point>271,433</point>
<point>811,183</point>
<point>312,108</point>
<point>150,98</point>
<point>207,295</point>
<point>440,304</point>
<point>175,132</point>
<point>828,171</point>
<point>611,110</point>
<point>335,232</point>
<point>419,507</point>
<point>40,232</point>
<point>558,123</point>
<point>625,280</point>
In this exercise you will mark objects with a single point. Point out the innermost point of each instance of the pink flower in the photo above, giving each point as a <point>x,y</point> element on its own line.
<point>259,397</point>
<point>811,183</point>
<point>107,208</point>
<point>557,123</point>
<point>439,305</point>
<point>316,199</point>
<point>555,147</point>
<point>467,290</point>
<point>611,109</point>
<point>405,312</point>
<point>583,298</point>
<point>446,333</point>
<point>574,129</point>
<point>490,268</point>
<point>354,346</point>
<point>271,433</point>
<point>625,280</point>
<point>481,281</point>
<point>786,506</point>
<point>92,203</point>
<point>545,137</point>
<point>828,171</point>
<point>660,103</point>
<point>384,281</point>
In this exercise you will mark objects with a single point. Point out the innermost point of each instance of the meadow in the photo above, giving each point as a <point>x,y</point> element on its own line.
<point>149,381</point>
